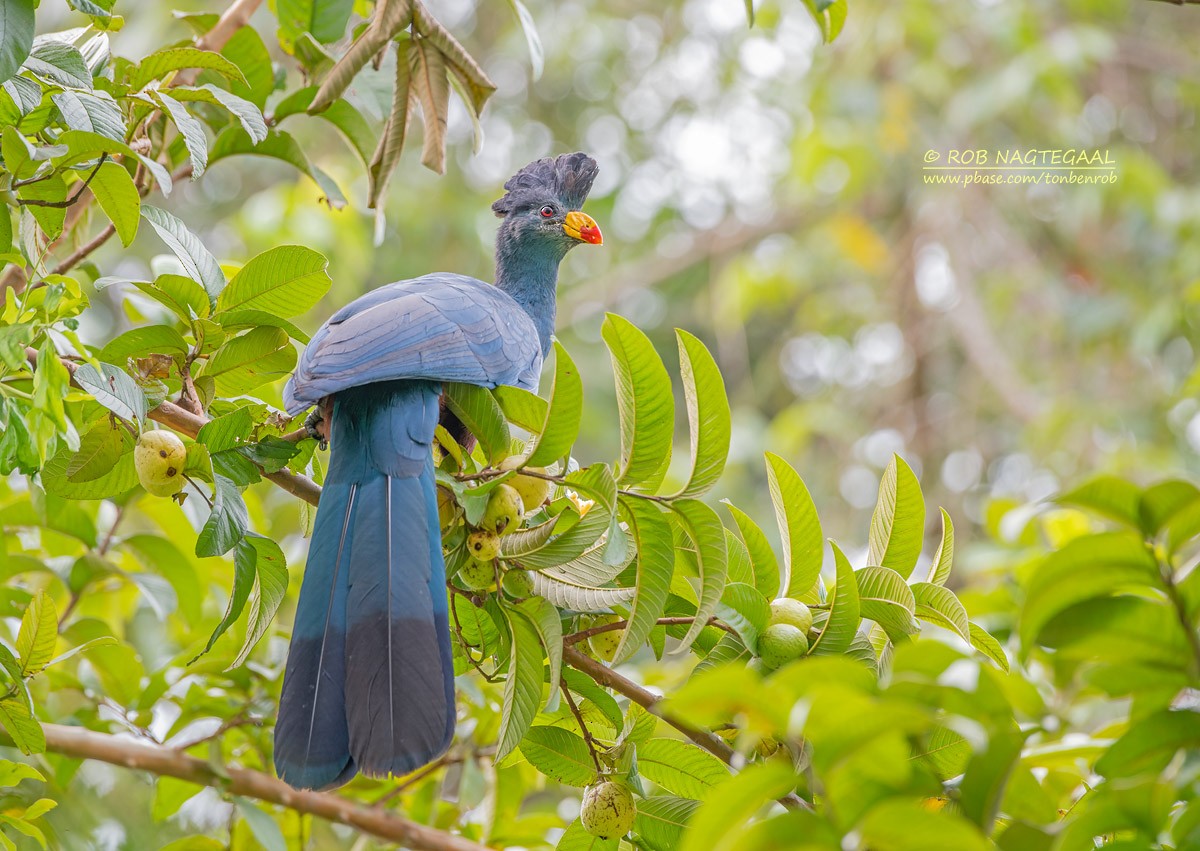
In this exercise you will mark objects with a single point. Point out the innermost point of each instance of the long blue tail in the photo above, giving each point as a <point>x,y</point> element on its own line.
<point>369,684</point>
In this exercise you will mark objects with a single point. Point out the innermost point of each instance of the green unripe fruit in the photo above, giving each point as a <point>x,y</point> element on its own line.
<point>608,810</point>
<point>789,611</point>
<point>504,511</point>
<point>477,575</point>
<point>483,545</point>
<point>518,583</point>
<point>533,491</point>
<point>605,644</point>
<point>159,458</point>
<point>781,643</point>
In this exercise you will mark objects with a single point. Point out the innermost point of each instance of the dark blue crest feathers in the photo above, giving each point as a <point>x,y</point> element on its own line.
<point>567,177</point>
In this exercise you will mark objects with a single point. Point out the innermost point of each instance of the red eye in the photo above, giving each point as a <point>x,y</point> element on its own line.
<point>547,211</point>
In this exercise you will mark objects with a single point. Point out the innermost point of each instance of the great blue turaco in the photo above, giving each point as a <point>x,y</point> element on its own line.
<point>369,682</point>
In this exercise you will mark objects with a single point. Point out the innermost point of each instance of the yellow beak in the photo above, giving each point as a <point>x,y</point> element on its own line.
<point>583,227</point>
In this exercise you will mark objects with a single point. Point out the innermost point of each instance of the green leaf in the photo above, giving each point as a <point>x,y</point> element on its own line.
<point>93,113</point>
<point>52,190</point>
<point>24,729</point>
<point>1161,502</point>
<point>559,754</point>
<point>546,621</point>
<point>171,59</point>
<point>749,13</point>
<point>227,522</point>
<point>557,436</point>
<point>341,114</point>
<point>122,478</point>
<point>118,198</point>
<point>249,360</point>
<point>267,592</point>
<point>725,811</point>
<point>246,112</point>
<point>58,63</point>
<point>762,557</point>
<point>708,414</point>
<point>192,131</point>
<point>245,563</point>
<point>99,451</point>
<point>262,825</point>
<point>1149,745</point>
<point>586,687</point>
<point>114,389</point>
<point>1107,495</point>
<point>661,820</point>
<point>943,559</point>
<point>596,483</point>
<point>523,687</point>
<point>476,408</point>
<point>655,566</point>
<point>244,320</point>
<point>143,341</point>
<point>645,404</point>
<point>987,776</point>
<point>1087,567</point>
<point>12,773</point>
<point>228,431</point>
<point>576,838</point>
<point>171,794</point>
<point>983,641</point>
<point>704,528</point>
<point>799,527</point>
<point>38,634</point>
<point>680,767</point>
<point>898,824</point>
<point>16,35</point>
<point>197,261</point>
<point>580,598</point>
<point>286,280</point>
<point>325,20</point>
<point>941,606</point>
<point>277,145</point>
<point>521,408</point>
<point>898,524</point>
<point>844,611</point>
<point>945,752</point>
<point>744,608</point>
<point>885,598</point>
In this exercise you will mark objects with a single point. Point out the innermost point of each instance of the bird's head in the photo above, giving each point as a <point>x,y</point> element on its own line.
<point>540,207</point>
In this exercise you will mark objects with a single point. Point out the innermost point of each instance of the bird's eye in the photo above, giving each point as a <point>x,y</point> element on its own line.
<point>547,211</point>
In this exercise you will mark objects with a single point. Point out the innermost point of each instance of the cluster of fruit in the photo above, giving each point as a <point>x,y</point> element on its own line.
<point>786,636</point>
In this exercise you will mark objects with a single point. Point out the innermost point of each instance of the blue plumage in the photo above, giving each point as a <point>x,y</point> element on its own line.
<point>369,680</point>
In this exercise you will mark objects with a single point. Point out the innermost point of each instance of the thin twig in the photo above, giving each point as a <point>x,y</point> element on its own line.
<point>492,473</point>
<point>62,205</point>
<point>585,634</point>
<point>583,727</point>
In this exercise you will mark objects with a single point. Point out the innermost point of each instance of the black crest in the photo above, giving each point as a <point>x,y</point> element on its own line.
<point>567,177</point>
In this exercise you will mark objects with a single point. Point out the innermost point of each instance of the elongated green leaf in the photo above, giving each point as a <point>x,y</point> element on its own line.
<point>644,402</point>
<point>114,389</point>
<point>250,360</point>
<point>143,341</point>
<point>522,542</point>
<point>708,536</point>
<point>983,641</point>
<point>118,198</point>
<point>559,754</point>
<point>58,63</point>
<point>941,606</point>
<point>597,484</point>
<point>246,112</point>
<point>906,825</point>
<point>325,20</point>
<point>708,414</point>
<point>24,729</point>
<point>762,557</point>
<point>580,598</point>
<point>680,767</point>
<point>191,129</point>
<point>943,559</point>
<point>545,619</point>
<point>267,592</point>
<point>744,608</point>
<point>521,408</point>
<point>94,113</point>
<point>1147,747</point>
<point>844,611</point>
<point>1107,495</point>
<point>885,598</point>
<point>537,56</point>
<point>99,451</point>
<point>197,261</point>
<point>656,564</point>
<point>121,478</point>
<point>227,522</point>
<point>1087,567</point>
<point>476,408</point>
<point>16,35</point>
<point>38,634</point>
<point>739,798</point>
<point>167,61</point>
<point>661,820</point>
<point>286,280</point>
<point>799,527</point>
<point>523,688</point>
<point>987,775</point>
<point>586,687</point>
<point>555,439</point>
<point>898,524</point>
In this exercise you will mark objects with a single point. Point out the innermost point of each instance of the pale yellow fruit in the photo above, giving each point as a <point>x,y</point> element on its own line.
<point>534,491</point>
<point>605,644</point>
<point>476,575</point>
<point>483,545</point>
<point>159,458</point>
<point>793,612</point>
<point>781,643</point>
<point>447,508</point>
<point>608,810</point>
<point>504,511</point>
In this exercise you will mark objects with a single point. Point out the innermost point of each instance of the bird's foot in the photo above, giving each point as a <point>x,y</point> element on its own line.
<point>314,424</point>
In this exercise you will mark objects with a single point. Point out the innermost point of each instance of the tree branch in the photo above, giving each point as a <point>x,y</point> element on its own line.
<point>649,701</point>
<point>185,422</point>
<point>166,762</point>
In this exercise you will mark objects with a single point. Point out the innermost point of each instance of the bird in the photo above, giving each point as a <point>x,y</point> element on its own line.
<point>369,681</point>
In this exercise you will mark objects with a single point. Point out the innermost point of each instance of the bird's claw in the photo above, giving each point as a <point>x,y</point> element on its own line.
<point>312,425</point>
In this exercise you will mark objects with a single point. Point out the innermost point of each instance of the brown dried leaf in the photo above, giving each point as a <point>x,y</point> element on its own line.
<point>391,140</point>
<point>432,89</point>
<point>393,16</point>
